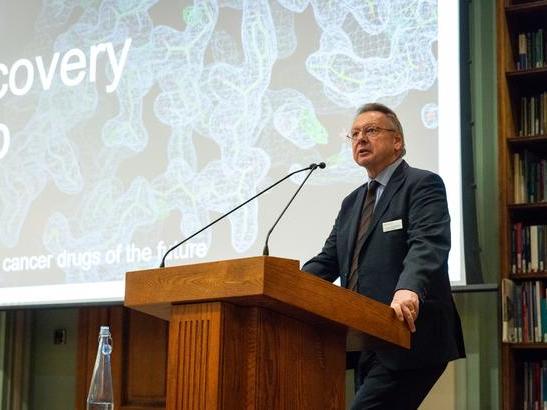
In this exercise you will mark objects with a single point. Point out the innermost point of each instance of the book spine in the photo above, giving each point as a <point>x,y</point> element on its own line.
<point>523,116</point>
<point>540,48</point>
<point>541,115</point>
<point>533,115</point>
<point>524,302</point>
<point>518,314</point>
<point>521,64</point>
<point>529,50</point>
<point>519,247</point>
<point>541,248</point>
<point>513,249</point>
<point>526,116</point>
<point>534,248</point>
<point>543,315</point>
<point>526,249</point>
<point>516,177</point>
<point>538,296</point>
<point>505,312</point>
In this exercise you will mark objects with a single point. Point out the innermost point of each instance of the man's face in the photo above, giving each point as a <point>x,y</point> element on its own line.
<point>381,148</point>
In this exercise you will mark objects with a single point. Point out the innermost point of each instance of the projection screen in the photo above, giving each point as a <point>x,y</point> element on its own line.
<point>125,126</point>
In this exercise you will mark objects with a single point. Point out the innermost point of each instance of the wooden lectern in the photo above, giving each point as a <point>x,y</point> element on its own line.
<point>257,333</point>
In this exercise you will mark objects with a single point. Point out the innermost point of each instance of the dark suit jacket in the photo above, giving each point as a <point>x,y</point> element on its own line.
<point>414,257</point>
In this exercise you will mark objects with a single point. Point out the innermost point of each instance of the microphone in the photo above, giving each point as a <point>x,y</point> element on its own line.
<point>310,168</point>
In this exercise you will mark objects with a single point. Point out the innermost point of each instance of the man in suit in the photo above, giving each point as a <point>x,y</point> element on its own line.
<point>390,242</point>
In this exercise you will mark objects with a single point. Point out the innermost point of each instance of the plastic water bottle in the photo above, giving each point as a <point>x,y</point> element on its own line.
<point>100,396</point>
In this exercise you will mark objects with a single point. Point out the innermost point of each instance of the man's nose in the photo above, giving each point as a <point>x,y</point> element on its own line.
<point>361,136</point>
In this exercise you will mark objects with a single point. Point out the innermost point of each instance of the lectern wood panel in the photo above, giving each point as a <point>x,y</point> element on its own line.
<point>310,358</point>
<point>194,350</point>
<point>144,360</point>
<point>235,357</point>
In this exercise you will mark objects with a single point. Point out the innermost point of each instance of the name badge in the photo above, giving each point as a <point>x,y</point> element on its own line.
<point>392,225</point>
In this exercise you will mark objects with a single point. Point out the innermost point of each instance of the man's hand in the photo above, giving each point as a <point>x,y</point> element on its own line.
<point>406,305</point>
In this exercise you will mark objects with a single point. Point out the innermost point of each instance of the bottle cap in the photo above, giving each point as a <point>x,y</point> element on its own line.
<point>105,331</point>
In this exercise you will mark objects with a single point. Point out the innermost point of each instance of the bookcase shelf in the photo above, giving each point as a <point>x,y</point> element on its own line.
<point>532,73</point>
<point>531,140</point>
<point>524,346</point>
<point>540,206</point>
<point>528,214</point>
<point>528,276</point>
<point>522,8</point>
<point>521,38</point>
<point>526,15</point>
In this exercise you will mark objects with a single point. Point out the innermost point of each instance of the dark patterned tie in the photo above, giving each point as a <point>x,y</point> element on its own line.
<point>364,223</point>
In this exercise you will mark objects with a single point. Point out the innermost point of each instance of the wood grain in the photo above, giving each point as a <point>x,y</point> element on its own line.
<point>257,333</point>
<point>229,357</point>
<point>270,282</point>
<point>194,355</point>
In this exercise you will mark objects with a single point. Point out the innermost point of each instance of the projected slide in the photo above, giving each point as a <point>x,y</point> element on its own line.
<point>125,126</point>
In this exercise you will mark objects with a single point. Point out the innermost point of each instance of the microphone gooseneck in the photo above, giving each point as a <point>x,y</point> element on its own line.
<point>311,167</point>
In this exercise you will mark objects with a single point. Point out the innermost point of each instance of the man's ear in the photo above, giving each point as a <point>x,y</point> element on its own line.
<point>398,142</point>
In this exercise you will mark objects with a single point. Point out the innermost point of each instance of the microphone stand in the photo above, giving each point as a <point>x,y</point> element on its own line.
<point>311,167</point>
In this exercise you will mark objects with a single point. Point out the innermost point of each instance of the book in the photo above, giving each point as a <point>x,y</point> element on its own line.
<point>521,64</point>
<point>508,311</point>
<point>517,178</point>
<point>534,248</point>
<point>519,319</point>
<point>513,249</point>
<point>524,314</point>
<point>519,246</point>
<point>538,296</point>
<point>544,317</point>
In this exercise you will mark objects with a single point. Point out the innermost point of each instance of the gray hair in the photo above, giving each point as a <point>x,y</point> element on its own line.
<point>388,112</point>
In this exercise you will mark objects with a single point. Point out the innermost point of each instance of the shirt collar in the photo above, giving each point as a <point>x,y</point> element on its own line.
<point>385,175</point>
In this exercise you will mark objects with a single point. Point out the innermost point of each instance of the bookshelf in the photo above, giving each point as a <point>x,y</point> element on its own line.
<point>522,130</point>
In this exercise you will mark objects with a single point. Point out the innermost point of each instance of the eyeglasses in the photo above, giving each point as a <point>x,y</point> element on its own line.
<point>369,131</point>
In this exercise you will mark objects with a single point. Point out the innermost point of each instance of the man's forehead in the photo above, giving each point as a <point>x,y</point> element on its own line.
<point>370,117</point>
